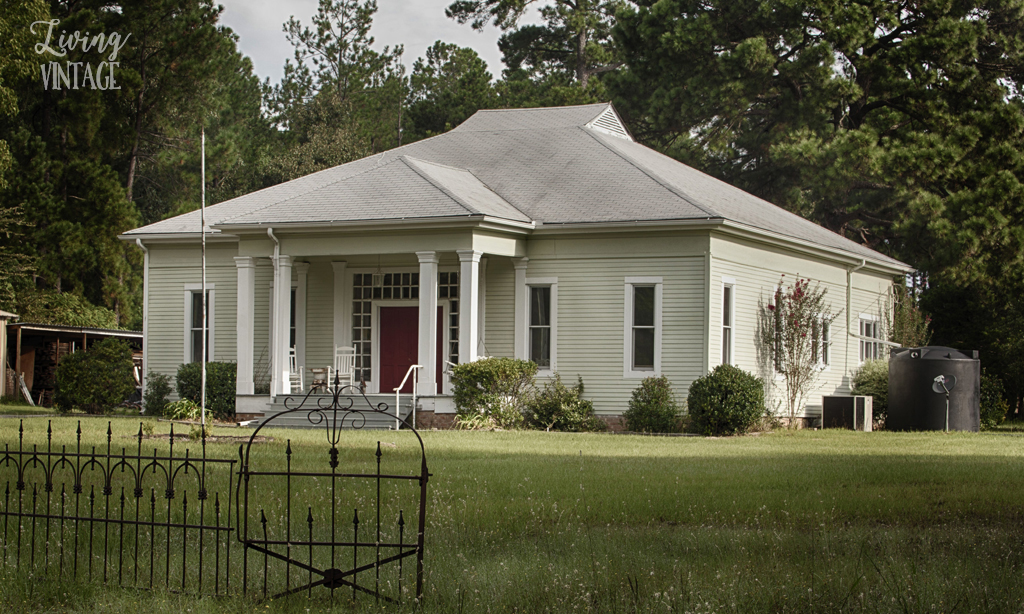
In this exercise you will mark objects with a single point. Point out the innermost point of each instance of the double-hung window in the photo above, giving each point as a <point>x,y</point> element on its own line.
<point>821,339</point>
<point>642,341</point>
<point>728,299</point>
<point>869,327</point>
<point>543,324</point>
<point>194,322</point>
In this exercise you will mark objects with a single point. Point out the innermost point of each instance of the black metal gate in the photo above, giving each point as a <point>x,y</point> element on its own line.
<point>363,552</point>
<point>163,520</point>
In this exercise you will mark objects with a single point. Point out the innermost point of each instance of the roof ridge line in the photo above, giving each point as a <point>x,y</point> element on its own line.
<point>568,106</point>
<point>654,176</point>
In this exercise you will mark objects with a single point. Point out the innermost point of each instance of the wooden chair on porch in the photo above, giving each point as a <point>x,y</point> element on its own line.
<point>344,366</point>
<point>294,371</point>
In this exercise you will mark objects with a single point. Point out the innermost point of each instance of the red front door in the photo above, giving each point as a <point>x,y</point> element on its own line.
<point>399,343</point>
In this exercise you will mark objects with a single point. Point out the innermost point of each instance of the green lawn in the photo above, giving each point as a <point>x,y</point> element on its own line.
<point>809,521</point>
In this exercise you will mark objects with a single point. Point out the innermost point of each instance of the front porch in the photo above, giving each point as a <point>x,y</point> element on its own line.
<point>396,310</point>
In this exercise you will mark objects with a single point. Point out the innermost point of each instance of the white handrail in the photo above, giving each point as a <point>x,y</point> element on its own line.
<point>413,369</point>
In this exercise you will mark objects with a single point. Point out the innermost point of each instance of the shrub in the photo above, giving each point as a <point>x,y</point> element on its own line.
<point>158,388</point>
<point>653,408</point>
<point>184,409</point>
<point>872,379</point>
<point>562,408</point>
<point>496,388</point>
<point>95,380</point>
<point>220,386</point>
<point>993,401</point>
<point>726,401</point>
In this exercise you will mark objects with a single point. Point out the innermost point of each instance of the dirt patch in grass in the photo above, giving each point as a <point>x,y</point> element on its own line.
<point>209,438</point>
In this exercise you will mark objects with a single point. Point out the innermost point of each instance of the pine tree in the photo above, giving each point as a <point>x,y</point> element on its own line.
<point>574,42</point>
<point>445,88</point>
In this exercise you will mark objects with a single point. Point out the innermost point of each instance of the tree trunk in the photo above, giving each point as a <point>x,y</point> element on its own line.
<point>133,157</point>
<point>581,56</point>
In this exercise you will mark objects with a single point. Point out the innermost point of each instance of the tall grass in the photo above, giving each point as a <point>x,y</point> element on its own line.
<point>810,521</point>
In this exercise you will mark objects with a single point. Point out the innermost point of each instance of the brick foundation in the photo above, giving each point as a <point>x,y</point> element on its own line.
<point>426,420</point>
<point>616,424</point>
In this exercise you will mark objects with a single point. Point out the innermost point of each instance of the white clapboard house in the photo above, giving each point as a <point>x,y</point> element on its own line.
<point>546,234</point>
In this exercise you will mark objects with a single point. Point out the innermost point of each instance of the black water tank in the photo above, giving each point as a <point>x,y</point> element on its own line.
<point>914,406</point>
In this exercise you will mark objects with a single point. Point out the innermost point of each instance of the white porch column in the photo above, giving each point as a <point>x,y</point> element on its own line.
<point>302,268</point>
<point>522,310</point>
<point>469,305</point>
<point>281,383</point>
<point>342,325</point>
<point>428,323</point>
<point>245,322</point>
<point>482,345</point>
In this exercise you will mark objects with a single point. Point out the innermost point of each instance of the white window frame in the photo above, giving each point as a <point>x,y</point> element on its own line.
<point>730,283</point>
<point>550,282</point>
<point>627,344</point>
<point>776,343</point>
<point>189,290</point>
<point>864,344</point>
<point>823,357</point>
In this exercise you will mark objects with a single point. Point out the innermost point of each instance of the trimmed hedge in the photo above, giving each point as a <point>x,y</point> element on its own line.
<point>726,401</point>
<point>220,386</point>
<point>95,380</point>
<point>653,407</point>
<point>493,392</point>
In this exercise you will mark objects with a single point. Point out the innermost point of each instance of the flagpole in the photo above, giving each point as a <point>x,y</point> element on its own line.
<point>202,221</point>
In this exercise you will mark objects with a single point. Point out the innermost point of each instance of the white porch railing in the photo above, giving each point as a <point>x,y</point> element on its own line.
<point>414,371</point>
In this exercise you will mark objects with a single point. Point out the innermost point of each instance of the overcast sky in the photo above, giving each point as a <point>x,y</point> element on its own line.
<point>413,23</point>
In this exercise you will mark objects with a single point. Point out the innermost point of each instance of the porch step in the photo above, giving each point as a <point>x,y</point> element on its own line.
<point>365,418</point>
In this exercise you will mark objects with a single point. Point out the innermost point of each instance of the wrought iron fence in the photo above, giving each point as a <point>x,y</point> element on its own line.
<point>118,516</point>
<point>131,518</point>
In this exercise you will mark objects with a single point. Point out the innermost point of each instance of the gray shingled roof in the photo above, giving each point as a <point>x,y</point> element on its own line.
<point>520,165</point>
<point>401,188</point>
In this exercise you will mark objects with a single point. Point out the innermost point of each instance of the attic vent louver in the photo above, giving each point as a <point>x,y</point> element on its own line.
<point>608,123</point>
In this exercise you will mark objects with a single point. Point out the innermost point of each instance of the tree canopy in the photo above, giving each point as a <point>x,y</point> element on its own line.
<point>899,125</point>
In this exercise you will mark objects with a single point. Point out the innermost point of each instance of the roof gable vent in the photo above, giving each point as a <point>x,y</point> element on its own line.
<point>608,122</point>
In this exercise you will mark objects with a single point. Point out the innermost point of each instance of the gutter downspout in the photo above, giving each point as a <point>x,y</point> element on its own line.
<point>145,316</point>
<point>849,309</point>
<point>275,365</point>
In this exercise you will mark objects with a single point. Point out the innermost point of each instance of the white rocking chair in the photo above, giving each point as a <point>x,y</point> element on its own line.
<point>344,366</point>
<point>294,372</point>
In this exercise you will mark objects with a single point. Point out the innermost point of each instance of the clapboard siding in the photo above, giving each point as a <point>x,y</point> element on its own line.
<point>499,320</point>
<point>591,310</point>
<point>319,316</point>
<point>170,269</point>
<point>757,270</point>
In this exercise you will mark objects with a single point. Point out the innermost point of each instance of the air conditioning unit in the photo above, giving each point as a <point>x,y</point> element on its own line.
<point>846,412</point>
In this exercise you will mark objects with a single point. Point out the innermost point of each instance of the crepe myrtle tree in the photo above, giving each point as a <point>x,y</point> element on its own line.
<point>794,331</point>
